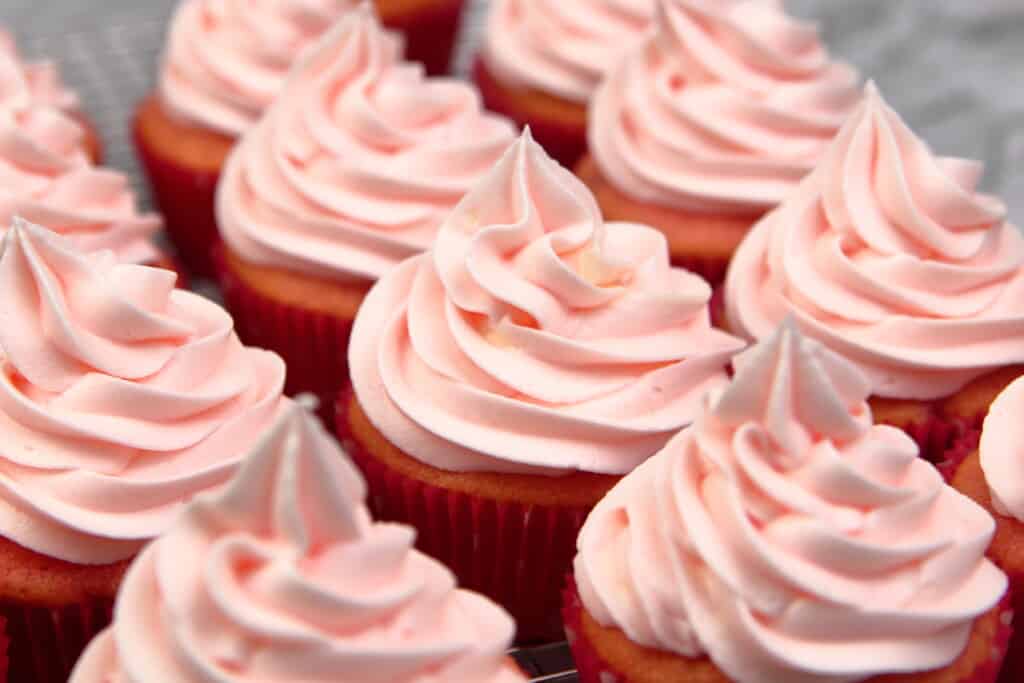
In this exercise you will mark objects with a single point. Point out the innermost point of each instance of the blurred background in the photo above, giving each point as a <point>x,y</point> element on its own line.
<point>954,69</point>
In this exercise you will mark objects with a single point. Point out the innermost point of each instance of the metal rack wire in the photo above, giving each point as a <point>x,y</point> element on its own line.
<point>547,663</point>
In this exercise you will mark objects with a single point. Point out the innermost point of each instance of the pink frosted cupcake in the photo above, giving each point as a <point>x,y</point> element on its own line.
<point>784,538</point>
<point>120,399</point>
<point>349,173</point>
<point>506,379</point>
<point>890,256</point>
<point>284,577</point>
<point>711,121</point>
<point>40,84</point>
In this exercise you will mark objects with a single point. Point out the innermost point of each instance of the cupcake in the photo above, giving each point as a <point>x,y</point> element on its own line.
<point>120,399</point>
<point>991,475</point>
<point>350,172</point>
<point>39,83</point>
<point>711,121</point>
<point>283,576</point>
<point>224,63</point>
<point>46,176</point>
<point>505,380</point>
<point>541,61</point>
<point>889,255</point>
<point>784,538</point>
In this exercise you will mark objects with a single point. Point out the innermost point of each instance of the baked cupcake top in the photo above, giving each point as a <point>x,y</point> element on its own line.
<point>355,166</point>
<point>120,398</point>
<point>723,108</point>
<point>889,255</point>
<point>560,47</point>
<point>1002,451</point>
<point>226,60</point>
<point>283,576</point>
<point>38,82</point>
<point>534,337</point>
<point>789,539</point>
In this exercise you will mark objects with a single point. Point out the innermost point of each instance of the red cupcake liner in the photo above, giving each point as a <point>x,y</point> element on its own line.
<point>314,345</point>
<point>44,643</point>
<point>515,554</point>
<point>185,197</point>
<point>711,269</point>
<point>430,34</point>
<point>3,650</point>
<point>593,668</point>
<point>564,143</point>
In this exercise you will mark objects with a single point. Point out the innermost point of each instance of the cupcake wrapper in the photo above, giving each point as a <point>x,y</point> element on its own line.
<point>563,143</point>
<point>44,643</point>
<point>711,269</point>
<point>593,668</point>
<point>3,650</point>
<point>1013,665</point>
<point>186,200</point>
<point>430,35</point>
<point>515,554</point>
<point>313,345</point>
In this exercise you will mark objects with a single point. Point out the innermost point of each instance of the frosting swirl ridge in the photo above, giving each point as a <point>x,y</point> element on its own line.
<point>534,337</point>
<point>789,539</point>
<point>120,398</point>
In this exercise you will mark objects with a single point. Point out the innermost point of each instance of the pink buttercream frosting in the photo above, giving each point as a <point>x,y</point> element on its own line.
<point>227,60</point>
<point>890,256</point>
<point>789,539</point>
<point>534,337</point>
<point>357,164</point>
<point>723,108</point>
<point>1002,450</point>
<point>561,47</point>
<point>284,577</point>
<point>36,83</point>
<point>120,398</point>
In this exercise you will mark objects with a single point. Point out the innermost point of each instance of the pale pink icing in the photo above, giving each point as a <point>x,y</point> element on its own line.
<point>32,82</point>
<point>789,539</point>
<point>120,398</point>
<point>534,337</point>
<point>284,577</point>
<point>357,164</point>
<point>1002,450</point>
<point>890,256</point>
<point>227,60</point>
<point>560,47</point>
<point>723,108</point>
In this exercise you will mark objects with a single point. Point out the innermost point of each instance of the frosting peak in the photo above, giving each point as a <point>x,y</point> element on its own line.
<point>23,83</point>
<point>355,166</point>
<point>787,538</point>
<point>723,107</point>
<point>120,398</point>
<point>530,323</point>
<point>284,576</point>
<point>227,60</point>
<point>889,255</point>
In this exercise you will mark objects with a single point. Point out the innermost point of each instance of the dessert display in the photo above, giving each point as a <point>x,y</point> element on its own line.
<point>784,538</point>
<point>890,255</point>
<point>710,121</point>
<point>120,399</point>
<point>348,174</point>
<point>541,61</point>
<point>503,381</point>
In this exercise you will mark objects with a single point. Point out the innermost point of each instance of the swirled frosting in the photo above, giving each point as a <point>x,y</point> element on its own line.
<point>789,539</point>
<point>890,256</point>
<point>227,60</point>
<point>31,82</point>
<point>357,164</point>
<point>120,398</point>
<point>1002,450</point>
<point>283,577</point>
<point>534,337</point>
<point>561,47</point>
<point>723,108</point>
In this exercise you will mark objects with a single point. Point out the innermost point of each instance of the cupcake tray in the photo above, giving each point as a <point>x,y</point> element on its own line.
<point>108,50</point>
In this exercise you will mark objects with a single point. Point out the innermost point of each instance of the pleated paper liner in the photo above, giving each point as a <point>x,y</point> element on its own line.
<point>430,29</point>
<point>3,650</point>
<point>515,553</point>
<point>44,643</point>
<point>979,663</point>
